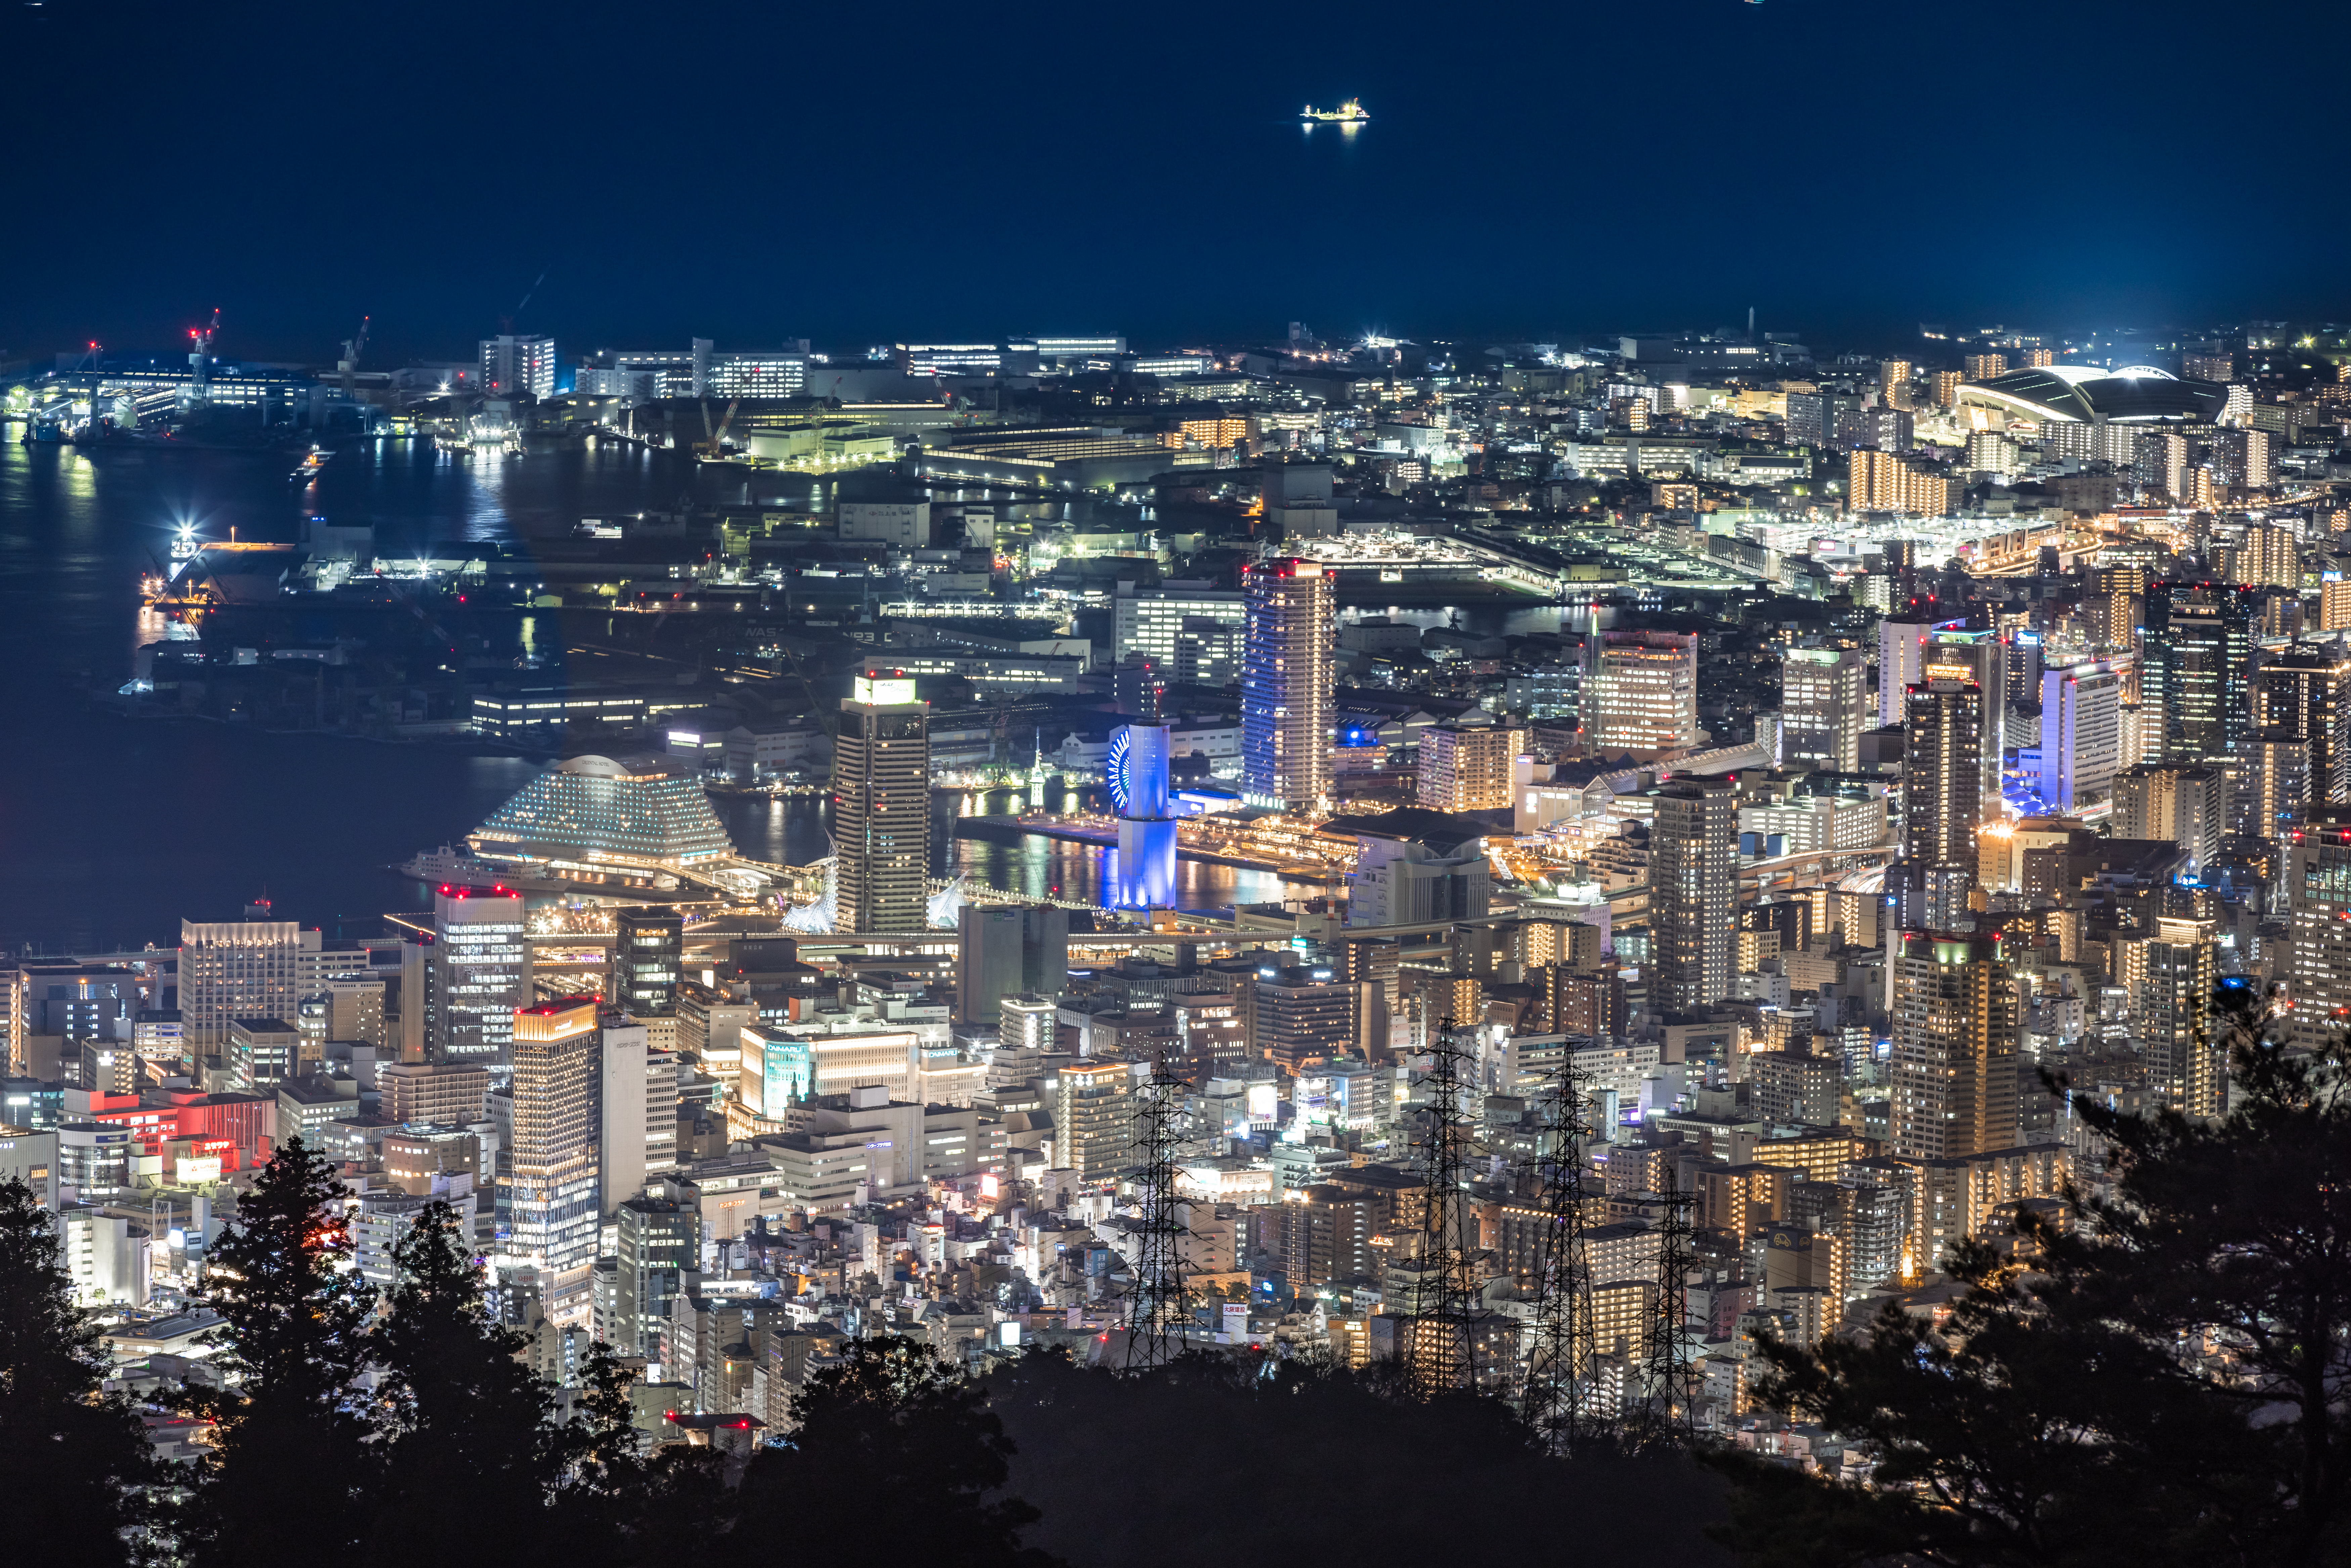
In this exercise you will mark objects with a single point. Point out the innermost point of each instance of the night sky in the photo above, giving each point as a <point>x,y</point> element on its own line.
<point>863,173</point>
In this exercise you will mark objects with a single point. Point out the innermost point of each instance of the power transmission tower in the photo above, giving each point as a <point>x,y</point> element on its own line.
<point>1558,1392</point>
<point>1438,1353</point>
<point>1666,1419</point>
<point>1155,1306</point>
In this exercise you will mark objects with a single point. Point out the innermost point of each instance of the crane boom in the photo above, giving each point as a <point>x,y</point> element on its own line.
<point>349,364</point>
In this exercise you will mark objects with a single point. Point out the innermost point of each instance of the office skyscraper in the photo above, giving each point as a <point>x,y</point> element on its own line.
<point>1982,658</point>
<point>881,807</point>
<point>237,968</point>
<point>515,366</point>
<point>2081,735</point>
<point>1004,952</point>
<point>2200,647</point>
<point>648,957</point>
<point>1093,1117</point>
<point>1693,894</point>
<point>1822,709</point>
<point>479,972</point>
<point>1954,1070</point>
<point>660,1241</point>
<point>1286,685</point>
<point>1151,620</point>
<point>552,1196</point>
<point>1640,692</point>
<point>623,1124</point>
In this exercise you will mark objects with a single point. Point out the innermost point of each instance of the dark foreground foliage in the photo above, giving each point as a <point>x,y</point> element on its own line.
<point>2161,1380</point>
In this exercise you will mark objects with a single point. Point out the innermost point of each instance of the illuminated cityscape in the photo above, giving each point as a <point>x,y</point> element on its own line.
<point>1636,880</point>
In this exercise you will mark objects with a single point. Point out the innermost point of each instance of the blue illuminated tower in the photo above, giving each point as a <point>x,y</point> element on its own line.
<point>1146,830</point>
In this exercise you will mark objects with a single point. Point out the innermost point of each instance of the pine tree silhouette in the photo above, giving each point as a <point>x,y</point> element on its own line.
<point>292,1475</point>
<point>76,1466</point>
<point>475,1452</point>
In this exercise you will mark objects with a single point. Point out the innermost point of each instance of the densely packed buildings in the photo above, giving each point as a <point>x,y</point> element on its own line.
<point>1779,764</point>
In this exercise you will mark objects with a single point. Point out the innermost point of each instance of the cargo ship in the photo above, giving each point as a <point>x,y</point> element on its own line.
<point>1347,113</point>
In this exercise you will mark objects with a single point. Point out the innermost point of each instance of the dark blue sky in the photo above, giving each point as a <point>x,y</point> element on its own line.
<point>857,173</point>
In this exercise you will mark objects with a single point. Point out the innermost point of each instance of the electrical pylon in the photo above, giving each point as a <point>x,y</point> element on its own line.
<point>1558,1401</point>
<point>1667,1419</point>
<point>1439,1352</point>
<point>1155,1306</point>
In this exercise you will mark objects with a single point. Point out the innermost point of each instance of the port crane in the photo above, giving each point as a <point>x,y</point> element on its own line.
<point>349,364</point>
<point>200,362</point>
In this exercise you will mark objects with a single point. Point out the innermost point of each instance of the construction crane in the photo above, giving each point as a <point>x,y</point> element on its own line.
<point>200,362</point>
<point>349,364</point>
<point>827,722</point>
<point>713,447</point>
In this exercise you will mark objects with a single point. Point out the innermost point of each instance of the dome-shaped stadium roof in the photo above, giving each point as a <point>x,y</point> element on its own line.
<point>2079,394</point>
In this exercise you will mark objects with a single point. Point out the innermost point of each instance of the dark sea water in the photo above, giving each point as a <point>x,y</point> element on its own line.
<point>113,830</point>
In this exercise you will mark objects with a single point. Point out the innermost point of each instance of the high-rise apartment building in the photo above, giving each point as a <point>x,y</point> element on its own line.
<point>2307,695</point>
<point>881,807</point>
<point>1822,709</point>
<point>1894,382</point>
<point>1901,665</point>
<point>2276,788</point>
<point>1693,894</point>
<point>2266,556</point>
<point>1954,1068</point>
<point>2182,804</point>
<point>1942,789</point>
<point>648,957</point>
<point>2318,891</point>
<point>1286,685</point>
<point>552,1184</point>
<point>1983,367</point>
<point>1466,767</point>
<point>518,366</point>
<point>2112,606</point>
<point>1640,693</point>
<point>1025,1023</point>
<point>478,973</point>
<point>2169,977</point>
<point>1979,657</point>
<point>1879,481</point>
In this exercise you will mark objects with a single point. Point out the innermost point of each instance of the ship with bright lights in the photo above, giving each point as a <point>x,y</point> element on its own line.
<point>1347,113</point>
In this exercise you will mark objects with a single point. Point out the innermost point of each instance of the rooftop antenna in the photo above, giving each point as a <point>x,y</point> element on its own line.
<point>1751,323</point>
